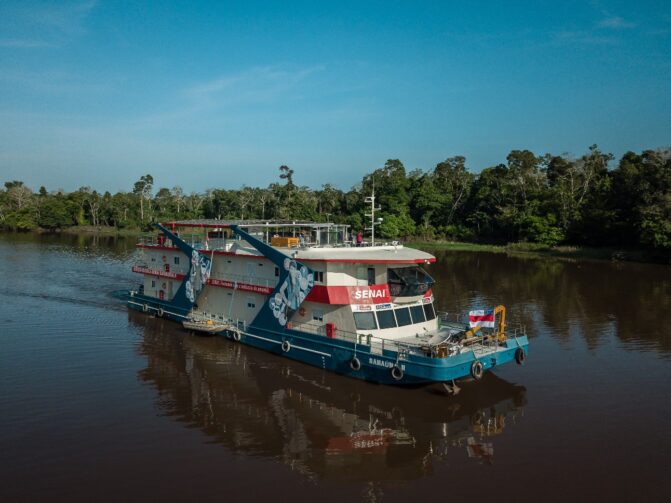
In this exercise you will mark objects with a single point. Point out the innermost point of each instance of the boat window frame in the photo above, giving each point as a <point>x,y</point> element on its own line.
<point>361,314</point>
<point>428,307</point>
<point>418,308</point>
<point>393,317</point>
<point>409,317</point>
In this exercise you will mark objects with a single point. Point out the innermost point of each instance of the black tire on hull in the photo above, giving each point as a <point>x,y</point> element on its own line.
<point>397,373</point>
<point>477,370</point>
<point>520,356</point>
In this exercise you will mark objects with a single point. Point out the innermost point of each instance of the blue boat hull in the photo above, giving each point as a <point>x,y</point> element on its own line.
<point>336,355</point>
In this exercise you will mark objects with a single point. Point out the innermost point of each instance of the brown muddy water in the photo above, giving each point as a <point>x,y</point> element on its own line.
<point>97,403</point>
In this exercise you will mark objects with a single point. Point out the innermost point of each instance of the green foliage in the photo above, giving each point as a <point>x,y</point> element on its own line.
<point>397,226</point>
<point>541,201</point>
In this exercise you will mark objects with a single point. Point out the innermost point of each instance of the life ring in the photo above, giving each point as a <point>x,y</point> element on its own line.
<point>145,308</point>
<point>354,363</point>
<point>236,335</point>
<point>477,370</point>
<point>286,346</point>
<point>160,312</point>
<point>520,356</point>
<point>397,373</point>
<point>301,311</point>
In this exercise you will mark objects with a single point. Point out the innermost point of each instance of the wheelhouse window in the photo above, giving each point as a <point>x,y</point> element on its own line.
<point>403,316</point>
<point>386,319</point>
<point>408,281</point>
<point>429,311</point>
<point>251,302</point>
<point>176,260</point>
<point>319,276</point>
<point>317,315</point>
<point>417,313</point>
<point>365,321</point>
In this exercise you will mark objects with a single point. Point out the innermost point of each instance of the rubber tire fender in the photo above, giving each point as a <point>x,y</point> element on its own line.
<point>397,373</point>
<point>236,335</point>
<point>520,356</point>
<point>286,346</point>
<point>160,312</point>
<point>355,363</point>
<point>477,370</point>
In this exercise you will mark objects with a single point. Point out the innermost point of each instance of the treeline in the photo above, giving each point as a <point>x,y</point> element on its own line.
<point>544,199</point>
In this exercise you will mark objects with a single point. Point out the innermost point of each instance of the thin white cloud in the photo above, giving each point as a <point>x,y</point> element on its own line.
<point>615,23</point>
<point>259,84</point>
<point>34,25</point>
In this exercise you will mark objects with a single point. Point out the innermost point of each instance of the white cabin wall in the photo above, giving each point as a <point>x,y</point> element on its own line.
<point>341,316</point>
<point>220,302</point>
<point>339,274</point>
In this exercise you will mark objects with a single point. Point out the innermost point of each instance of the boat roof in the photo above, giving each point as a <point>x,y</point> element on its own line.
<point>388,254</point>
<point>219,224</point>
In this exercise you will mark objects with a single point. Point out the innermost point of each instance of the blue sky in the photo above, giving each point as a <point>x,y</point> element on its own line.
<point>219,94</point>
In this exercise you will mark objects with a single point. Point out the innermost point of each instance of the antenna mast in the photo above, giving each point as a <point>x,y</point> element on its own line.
<point>373,209</point>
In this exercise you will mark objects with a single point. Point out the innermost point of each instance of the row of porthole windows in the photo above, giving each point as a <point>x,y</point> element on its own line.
<point>392,318</point>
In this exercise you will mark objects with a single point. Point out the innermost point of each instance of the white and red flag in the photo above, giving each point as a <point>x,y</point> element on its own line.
<point>481,318</point>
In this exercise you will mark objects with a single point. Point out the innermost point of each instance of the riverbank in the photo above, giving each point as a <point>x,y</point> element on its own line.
<point>530,249</point>
<point>533,249</point>
<point>101,230</point>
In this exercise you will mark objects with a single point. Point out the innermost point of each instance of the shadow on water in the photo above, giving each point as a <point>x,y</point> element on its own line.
<point>593,299</point>
<point>321,424</point>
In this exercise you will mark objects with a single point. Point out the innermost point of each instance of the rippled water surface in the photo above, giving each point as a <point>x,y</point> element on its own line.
<point>97,403</point>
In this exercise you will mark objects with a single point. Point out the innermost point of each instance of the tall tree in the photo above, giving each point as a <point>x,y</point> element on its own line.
<point>143,189</point>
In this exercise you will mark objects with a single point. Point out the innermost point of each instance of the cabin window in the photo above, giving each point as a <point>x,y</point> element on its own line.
<point>403,316</point>
<point>153,283</point>
<point>277,272</point>
<point>417,314</point>
<point>176,260</point>
<point>153,259</point>
<point>319,276</point>
<point>317,315</point>
<point>365,321</point>
<point>251,302</point>
<point>371,276</point>
<point>386,318</point>
<point>429,311</point>
<point>408,281</point>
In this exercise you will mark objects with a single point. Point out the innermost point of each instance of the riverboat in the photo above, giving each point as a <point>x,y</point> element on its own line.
<point>307,291</point>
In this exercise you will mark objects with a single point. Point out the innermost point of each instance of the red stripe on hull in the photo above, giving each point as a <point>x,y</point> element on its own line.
<point>157,272</point>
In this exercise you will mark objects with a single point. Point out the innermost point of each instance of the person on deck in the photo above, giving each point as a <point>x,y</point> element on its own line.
<point>359,239</point>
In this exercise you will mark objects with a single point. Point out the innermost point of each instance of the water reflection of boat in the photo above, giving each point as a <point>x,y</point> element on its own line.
<point>320,425</point>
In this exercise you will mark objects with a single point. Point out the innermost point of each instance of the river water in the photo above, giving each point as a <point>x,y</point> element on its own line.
<point>98,403</point>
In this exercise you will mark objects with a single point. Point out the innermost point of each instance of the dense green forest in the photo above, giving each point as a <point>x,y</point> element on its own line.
<point>544,199</point>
